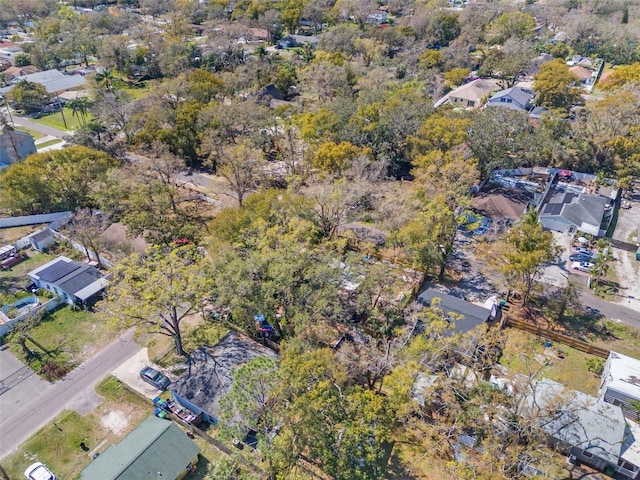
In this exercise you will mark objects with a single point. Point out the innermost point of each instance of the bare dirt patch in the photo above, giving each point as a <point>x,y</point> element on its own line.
<point>116,421</point>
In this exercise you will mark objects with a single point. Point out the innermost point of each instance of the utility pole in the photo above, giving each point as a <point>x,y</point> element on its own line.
<point>64,120</point>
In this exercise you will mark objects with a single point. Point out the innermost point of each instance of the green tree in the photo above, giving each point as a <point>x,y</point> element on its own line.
<point>252,401</point>
<point>602,262</point>
<point>525,249</point>
<point>28,96</point>
<point>156,291</point>
<point>335,158</point>
<point>54,181</point>
<point>79,108</point>
<point>514,24</point>
<point>243,167</point>
<point>555,86</point>
<point>429,236</point>
<point>455,76</point>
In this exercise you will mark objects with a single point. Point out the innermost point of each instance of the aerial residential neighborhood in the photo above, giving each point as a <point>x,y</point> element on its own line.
<point>303,239</point>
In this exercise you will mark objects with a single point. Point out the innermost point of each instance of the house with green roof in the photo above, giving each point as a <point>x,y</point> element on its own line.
<point>157,448</point>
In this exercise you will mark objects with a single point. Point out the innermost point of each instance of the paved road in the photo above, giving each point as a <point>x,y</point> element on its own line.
<point>76,391</point>
<point>625,312</point>
<point>38,127</point>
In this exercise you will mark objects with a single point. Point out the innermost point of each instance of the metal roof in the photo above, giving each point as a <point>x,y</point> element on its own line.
<point>157,448</point>
<point>624,374</point>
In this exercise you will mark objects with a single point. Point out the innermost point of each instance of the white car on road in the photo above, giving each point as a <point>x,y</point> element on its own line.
<point>582,266</point>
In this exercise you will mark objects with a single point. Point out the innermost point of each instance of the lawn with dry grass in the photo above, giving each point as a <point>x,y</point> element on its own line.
<point>58,444</point>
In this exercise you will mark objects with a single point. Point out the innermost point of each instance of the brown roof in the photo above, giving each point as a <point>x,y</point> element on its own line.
<point>581,72</point>
<point>20,71</point>
<point>501,202</point>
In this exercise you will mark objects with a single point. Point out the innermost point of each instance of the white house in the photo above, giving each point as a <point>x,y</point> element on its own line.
<point>76,282</point>
<point>514,98</point>
<point>620,384</point>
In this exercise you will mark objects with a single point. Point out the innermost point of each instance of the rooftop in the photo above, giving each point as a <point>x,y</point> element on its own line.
<point>624,374</point>
<point>501,202</point>
<point>208,376</point>
<point>72,277</point>
<point>156,448</point>
<point>52,80</point>
<point>472,315</point>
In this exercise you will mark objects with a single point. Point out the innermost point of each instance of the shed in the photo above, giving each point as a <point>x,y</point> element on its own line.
<point>42,239</point>
<point>157,448</point>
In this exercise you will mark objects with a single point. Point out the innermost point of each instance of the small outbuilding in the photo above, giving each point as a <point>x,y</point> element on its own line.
<point>42,239</point>
<point>470,315</point>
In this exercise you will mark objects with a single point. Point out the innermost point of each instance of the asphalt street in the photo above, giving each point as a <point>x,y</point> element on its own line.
<point>38,127</point>
<point>75,391</point>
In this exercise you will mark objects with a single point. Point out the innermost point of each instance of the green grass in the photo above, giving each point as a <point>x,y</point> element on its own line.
<point>36,135</point>
<point>521,348</point>
<point>16,277</point>
<point>55,120</point>
<point>138,92</point>
<point>59,448</point>
<point>48,143</point>
<point>69,336</point>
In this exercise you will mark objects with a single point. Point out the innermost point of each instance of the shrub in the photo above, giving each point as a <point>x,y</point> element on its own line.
<point>595,366</point>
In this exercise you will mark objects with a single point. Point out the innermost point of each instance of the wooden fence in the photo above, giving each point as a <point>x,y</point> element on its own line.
<point>556,337</point>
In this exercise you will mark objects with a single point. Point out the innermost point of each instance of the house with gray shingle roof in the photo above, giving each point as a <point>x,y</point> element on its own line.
<point>585,428</point>
<point>568,211</point>
<point>157,448</point>
<point>54,81</point>
<point>208,376</point>
<point>514,98</point>
<point>470,315</point>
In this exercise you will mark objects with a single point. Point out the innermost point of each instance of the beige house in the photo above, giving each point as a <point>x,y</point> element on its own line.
<point>470,95</point>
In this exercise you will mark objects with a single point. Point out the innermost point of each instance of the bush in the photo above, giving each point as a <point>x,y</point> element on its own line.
<point>54,371</point>
<point>595,366</point>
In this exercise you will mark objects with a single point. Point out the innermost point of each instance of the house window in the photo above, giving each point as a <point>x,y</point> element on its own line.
<point>627,466</point>
<point>470,103</point>
<point>587,454</point>
<point>617,403</point>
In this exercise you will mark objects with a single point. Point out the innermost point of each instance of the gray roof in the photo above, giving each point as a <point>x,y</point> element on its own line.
<point>68,275</point>
<point>520,96</point>
<point>43,234</point>
<point>577,419</point>
<point>576,208</point>
<point>586,208</point>
<point>473,315</point>
<point>52,80</point>
<point>157,448</point>
<point>208,376</point>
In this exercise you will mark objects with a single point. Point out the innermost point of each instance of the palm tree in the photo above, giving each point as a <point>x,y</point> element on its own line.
<point>105,79</point>
<point>602,262</point>
<point>80,107</point>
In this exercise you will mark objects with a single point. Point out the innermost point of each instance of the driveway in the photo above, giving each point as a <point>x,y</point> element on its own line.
<point>129,373</point>
<point>75,391</point>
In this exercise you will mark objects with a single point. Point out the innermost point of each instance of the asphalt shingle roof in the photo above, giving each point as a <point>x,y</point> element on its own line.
<point>472,315</point>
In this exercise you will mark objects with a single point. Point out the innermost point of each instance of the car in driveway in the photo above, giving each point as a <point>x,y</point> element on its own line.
<point>581,257</point>
<point>155,378</point>
<point>582,266</point>
<point>582,251</point>
<point>38,471</point>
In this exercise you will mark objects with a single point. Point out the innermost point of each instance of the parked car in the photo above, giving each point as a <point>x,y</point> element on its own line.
<point>582,250</point>
<point>583,266</point>
<point>155,378</point>
<point>580,257</point>
<point>38,471</point>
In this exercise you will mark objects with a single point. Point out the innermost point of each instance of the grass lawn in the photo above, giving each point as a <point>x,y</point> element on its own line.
<point>36,135</point>
<point>60,448</point>
<point>48,143</point>
<point>70,336</point>
<point>520,353</point>
<point>13,234</point>
<point>16,277</point>
<point>55,120</point>
<point>138,92</point>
